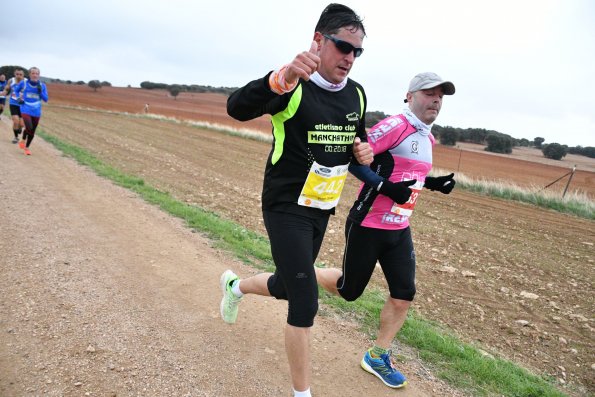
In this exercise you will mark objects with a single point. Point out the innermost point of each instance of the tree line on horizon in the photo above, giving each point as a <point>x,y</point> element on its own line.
<point>175,89</point>
<point>493,141</point>
<point>8,71</point>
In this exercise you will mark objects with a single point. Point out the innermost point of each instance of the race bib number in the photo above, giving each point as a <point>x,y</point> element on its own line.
<point>323,186</point>
<point>405,210</point>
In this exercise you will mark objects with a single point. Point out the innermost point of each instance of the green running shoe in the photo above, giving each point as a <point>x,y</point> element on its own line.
<point>230,302</point>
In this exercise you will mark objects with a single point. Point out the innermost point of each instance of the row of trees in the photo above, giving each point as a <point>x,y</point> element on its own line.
<point>8,71</point>
<point>588,151</point>
<point>175,89</point>
<point>60,81</point>
<point>494,141</point>
<point>498,142</point>
<point>95,84</point>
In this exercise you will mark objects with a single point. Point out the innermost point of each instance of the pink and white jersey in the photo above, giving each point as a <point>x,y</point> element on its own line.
<point>402,151</point>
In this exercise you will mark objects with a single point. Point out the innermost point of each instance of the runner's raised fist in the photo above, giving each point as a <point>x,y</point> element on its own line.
<point>303,65</point>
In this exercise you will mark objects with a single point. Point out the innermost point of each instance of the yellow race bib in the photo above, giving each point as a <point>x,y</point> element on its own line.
<point>323,186</point>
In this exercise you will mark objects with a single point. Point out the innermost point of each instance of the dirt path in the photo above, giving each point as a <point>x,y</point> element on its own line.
<point>105,295</point>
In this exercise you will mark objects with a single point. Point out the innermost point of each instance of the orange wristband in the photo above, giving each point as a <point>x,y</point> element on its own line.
<point>278,84</point>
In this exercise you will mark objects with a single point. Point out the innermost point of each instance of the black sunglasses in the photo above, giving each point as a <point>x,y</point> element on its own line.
<point>344,46</point>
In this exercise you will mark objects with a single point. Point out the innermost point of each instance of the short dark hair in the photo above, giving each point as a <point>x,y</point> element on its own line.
<point>336,16</point>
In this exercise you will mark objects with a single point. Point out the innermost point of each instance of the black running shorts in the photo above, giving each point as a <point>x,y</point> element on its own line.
<point>393,249</point>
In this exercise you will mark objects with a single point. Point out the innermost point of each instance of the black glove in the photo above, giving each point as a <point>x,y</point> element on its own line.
<point>39,89</point>
<point>443,184</point>
<point>20,101</point>
<point>398,192</point>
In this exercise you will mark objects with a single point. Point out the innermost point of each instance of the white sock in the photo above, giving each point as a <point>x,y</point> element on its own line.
<point>235,288</point>
<point>305,393</point>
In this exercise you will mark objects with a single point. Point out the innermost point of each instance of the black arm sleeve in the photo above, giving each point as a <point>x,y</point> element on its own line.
<point>365,174</point>
<point>253,100</point>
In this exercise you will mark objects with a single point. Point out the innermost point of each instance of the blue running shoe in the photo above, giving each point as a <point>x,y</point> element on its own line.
<point>384,370</point>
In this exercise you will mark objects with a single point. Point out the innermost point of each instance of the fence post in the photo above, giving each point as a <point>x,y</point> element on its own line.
<point>569,179</point>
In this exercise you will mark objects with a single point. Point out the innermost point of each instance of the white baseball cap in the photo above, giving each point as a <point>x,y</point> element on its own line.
<point>427,80</point>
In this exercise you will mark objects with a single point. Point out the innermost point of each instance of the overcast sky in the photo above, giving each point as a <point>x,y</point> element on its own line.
<point>521,67</point>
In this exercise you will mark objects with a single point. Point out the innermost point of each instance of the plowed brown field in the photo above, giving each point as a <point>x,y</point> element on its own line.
<point>483,264</point>
<point>466,158</point>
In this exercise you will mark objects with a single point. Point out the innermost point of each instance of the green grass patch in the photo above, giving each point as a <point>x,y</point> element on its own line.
<point>465,367</point>
<point>250,247</point>
<point>460,364</point>
<point>578,204</point>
